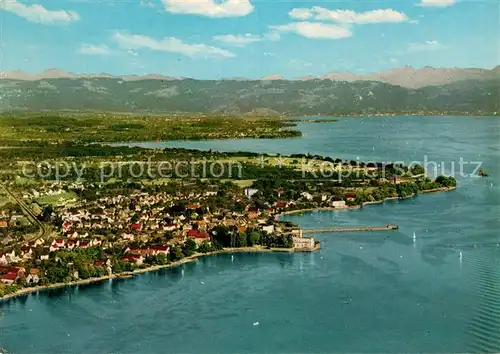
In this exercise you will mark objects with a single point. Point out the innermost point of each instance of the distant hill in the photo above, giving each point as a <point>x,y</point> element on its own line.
<point>257,97</point>
<point>58,74</point>
<point>406,76</point>
<point>416,78</point>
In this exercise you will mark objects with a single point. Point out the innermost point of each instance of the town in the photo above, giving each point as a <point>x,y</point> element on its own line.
<point>123,228</point>
<point>60,232</point>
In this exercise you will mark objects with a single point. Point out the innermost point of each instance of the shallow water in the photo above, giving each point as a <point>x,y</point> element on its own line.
<point>437,291</point>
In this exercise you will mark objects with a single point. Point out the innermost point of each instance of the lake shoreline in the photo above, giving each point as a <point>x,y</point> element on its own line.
<point>126,275</point>
<point>196,256</point>
<point>357,207</point>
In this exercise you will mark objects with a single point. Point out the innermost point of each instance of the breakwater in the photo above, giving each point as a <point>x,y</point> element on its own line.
<point>352,229</point>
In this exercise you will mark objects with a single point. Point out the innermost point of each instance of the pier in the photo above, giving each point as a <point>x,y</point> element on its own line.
<point>352,229</point>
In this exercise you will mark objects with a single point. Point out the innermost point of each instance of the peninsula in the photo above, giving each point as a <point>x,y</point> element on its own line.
<point>75,210</point>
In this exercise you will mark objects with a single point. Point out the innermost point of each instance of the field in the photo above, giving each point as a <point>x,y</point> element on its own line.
<point>57,199</point>
<point>109,127</point>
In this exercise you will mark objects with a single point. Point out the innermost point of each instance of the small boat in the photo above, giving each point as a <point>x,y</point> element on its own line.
<point>482,173</point>
<point>256,323</point>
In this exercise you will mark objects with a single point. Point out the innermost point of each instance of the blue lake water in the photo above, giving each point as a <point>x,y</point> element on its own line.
<point>431,286</point>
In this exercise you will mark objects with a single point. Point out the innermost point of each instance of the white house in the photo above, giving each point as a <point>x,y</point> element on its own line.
<point>250,191</point>
<point>307,195</point>
<point>268,228</point>
<point>3,259</point>
<point>127,236</point>
<point>170,227</point>
<point>338,204</point>
<point>34,276</point>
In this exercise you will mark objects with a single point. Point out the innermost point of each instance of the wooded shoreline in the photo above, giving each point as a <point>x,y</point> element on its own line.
<point>356,207</point>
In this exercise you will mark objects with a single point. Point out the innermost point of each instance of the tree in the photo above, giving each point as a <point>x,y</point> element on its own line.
<point>416,170</point>
<point>254,238</point>
<point>238,207</point>
<point>241,240</point>
<point>446,181</point>
<point>168,236</point>
<point>161,259</point>
<point>47,213</point>
<point>175,253</point>
<point>117,267</point>
<point>205,247</point>
<point>189,247</point>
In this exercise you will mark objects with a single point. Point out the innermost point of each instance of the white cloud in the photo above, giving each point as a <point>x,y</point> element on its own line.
<point>92,49</point>
<point>437,3</point>
<point>149,4</point>
<point>314,30</point>
<point>39,14</point>
<point>210,8</point>
<point>169,44</point>
<point>425,46</point>
<point>239,40</point>
<point>272,36</point>
<point>301,14</point>
<point>349,16</point>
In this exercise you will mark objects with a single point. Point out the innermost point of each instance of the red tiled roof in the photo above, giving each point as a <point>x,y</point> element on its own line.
<point>197,234</point>
<point>131,257</point>
<point>10,276</point>
<point>159,248</point>
<point>134,248</point>
<point>136,226</point>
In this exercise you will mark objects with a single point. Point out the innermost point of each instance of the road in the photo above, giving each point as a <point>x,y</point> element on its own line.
<point>44,229</point>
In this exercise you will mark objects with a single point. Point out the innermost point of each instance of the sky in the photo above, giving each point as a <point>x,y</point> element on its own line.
<point>211,39</point>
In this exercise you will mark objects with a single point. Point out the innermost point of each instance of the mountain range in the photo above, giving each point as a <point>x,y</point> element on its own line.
<point>472,91</point>
<point>406,76</point>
